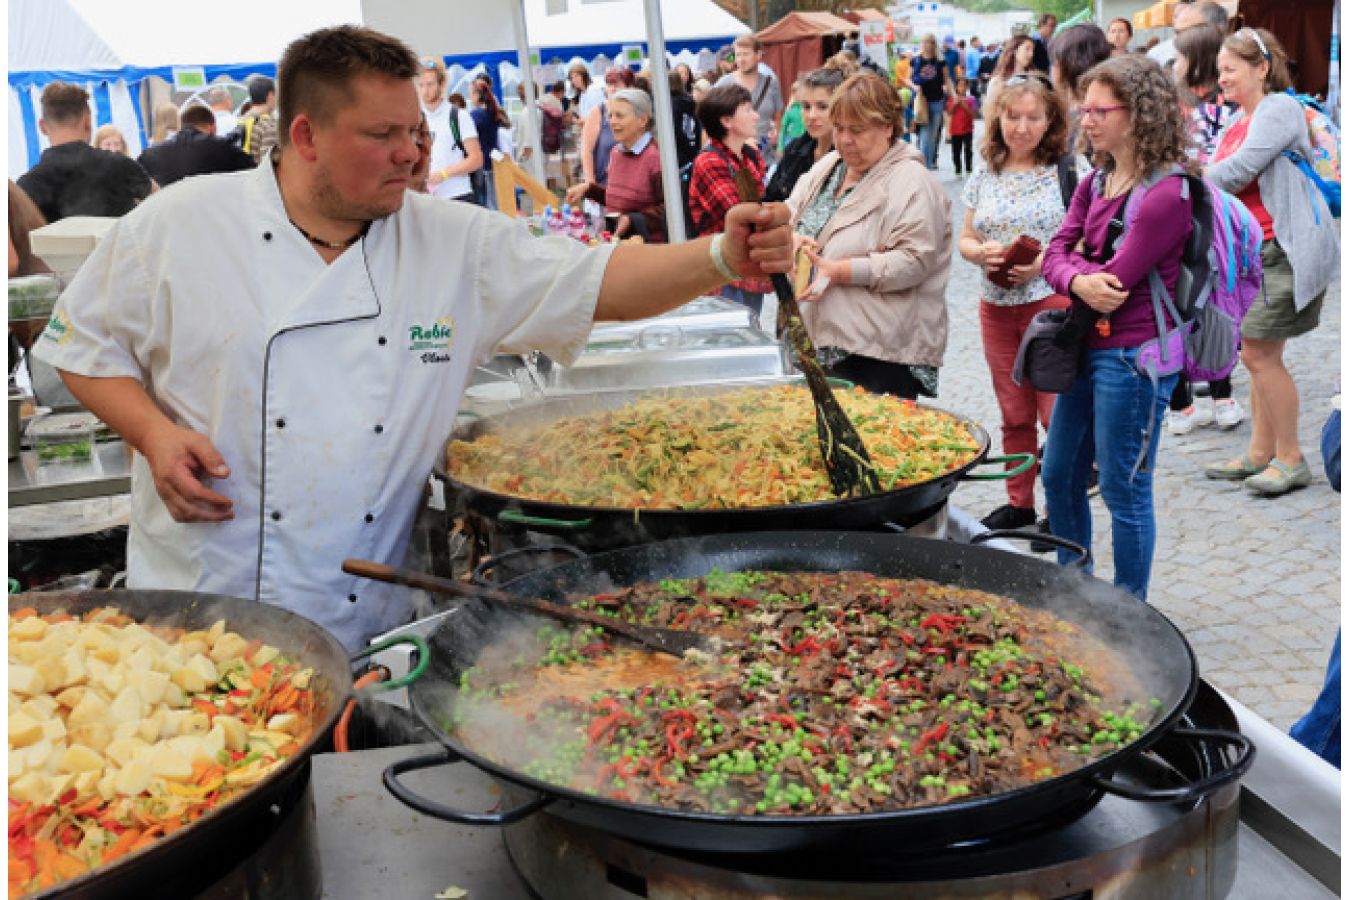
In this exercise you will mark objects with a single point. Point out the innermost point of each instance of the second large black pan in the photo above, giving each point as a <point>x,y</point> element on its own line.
<point>1152,647</point>
<point>598,528</point>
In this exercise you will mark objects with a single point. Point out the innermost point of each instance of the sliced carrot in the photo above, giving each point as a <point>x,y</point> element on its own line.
<point>70,866</point>
<point>122,846</point>
<point>20,871</point>
<point>88,808</point>
<point>210,773</point>
<point>260,678</point>
<point>205,706</point>
<point>45,854</point>
<point>251,648</point>
<point>26,613</point>
<point>172,825</point>
<point>151,835</point>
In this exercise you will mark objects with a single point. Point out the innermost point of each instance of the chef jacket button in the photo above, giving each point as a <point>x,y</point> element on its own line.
<point>351,598</point>
<point>276,515</point>
<point>370,518</point>
<point>379,429</point>
<point>267,235</point>
<point>383,340</point>
<point>281,423</point>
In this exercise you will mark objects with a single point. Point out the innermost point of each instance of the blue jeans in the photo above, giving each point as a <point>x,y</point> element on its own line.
<point>930,135</point>
<point>1320,729</point>
<point>1104,418</point>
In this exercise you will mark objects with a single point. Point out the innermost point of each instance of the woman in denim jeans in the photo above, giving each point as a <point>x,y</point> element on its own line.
<point>1111,415</point>
<point>934,81</point>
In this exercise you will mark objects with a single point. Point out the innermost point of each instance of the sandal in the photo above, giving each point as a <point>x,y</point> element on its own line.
<point>1238,469</point>
<point>1279,478</point>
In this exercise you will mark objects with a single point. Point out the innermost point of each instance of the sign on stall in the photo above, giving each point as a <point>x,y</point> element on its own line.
<point>873,34</point>
<point>189,78</point>
<point>632,54</point>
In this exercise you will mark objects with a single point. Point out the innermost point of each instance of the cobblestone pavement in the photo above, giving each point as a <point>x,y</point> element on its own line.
<point>1254,583</point>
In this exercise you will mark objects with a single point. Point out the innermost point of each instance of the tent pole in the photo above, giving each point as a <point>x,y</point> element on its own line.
<point>665,121</point>
<point>535,163</point>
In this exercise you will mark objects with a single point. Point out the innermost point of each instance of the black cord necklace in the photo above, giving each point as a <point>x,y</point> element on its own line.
<point>331,245</point>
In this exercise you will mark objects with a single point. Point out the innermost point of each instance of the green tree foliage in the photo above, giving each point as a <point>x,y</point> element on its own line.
<point>1062,9</point>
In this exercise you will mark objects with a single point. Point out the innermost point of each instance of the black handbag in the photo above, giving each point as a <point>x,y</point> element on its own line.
<point>1051,354</point>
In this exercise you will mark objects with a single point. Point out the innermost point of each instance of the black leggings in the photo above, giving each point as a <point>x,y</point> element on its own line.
<point>960,141</point>
<point>877,376</point>
<point>1182,396</point>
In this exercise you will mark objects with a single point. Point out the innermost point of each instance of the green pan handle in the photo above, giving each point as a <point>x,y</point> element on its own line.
<point>421,660</point>
<point>1028,460</point>
<point>516,517</point>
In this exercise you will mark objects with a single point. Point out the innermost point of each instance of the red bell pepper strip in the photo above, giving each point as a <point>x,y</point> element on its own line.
<point>936,733</point>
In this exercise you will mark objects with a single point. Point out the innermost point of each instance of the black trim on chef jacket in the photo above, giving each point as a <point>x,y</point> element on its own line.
<point>262,455</point>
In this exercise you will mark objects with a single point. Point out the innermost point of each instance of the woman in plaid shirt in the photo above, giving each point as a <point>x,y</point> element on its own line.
<point>727,114</point>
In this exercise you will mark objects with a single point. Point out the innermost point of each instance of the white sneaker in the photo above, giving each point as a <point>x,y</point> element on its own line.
<point>1185,421</point>
<point>1228,414</point>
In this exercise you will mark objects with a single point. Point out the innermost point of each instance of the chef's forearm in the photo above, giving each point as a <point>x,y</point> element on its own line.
<point>644,280</point>
<point>120,402</point>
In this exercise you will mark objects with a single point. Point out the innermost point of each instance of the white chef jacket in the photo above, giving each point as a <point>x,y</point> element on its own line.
<point>330,390</point>
<point>444,151</point>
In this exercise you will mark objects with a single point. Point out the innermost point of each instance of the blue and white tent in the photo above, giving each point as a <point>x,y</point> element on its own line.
<point>113,47</point>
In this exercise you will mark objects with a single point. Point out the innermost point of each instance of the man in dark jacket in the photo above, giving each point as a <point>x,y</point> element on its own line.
<point>72,178</point>
<point>194,150</point>
<point>1045,30</point>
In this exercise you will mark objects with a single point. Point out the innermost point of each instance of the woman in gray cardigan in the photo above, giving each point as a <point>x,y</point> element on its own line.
<point>1299,257</point>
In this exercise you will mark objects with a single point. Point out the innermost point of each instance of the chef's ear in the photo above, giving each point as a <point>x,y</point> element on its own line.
<point>302,137</point>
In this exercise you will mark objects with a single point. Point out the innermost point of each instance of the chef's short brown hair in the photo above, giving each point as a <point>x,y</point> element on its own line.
<point>315,73</point>
<point>867,99</point>
<point>64,103</point>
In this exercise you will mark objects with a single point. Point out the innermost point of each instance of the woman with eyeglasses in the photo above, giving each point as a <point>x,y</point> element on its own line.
<point>1196,71</point>
<point>1017,58</point>
<point>1299,257</point>
<point>1111,414</point>
<point>1017,193</point>
<point>875,225</point>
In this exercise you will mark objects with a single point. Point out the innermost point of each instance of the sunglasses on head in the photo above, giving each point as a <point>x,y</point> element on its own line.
<point>428,63</point>
<point>1015,80</point>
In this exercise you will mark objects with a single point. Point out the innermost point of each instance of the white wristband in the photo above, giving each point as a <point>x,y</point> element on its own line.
<point>720,261</point>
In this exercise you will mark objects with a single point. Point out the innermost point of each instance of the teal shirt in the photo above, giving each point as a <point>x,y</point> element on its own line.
<point>792,126</point>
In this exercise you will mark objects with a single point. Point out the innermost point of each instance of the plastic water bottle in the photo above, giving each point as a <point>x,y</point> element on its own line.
<point>547,220</point>
<point>577,225</point>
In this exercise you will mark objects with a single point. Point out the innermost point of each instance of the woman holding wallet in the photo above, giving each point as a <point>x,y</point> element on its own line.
<point>1014,206</point>
<point>1113,412</point>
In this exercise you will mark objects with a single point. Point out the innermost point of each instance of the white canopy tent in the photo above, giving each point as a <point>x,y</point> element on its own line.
<point>112,47</point>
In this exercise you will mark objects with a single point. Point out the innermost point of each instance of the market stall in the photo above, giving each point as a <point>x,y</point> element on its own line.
<point>801,41</point>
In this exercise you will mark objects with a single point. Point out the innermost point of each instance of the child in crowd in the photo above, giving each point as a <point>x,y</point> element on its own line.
<point>961,126</point>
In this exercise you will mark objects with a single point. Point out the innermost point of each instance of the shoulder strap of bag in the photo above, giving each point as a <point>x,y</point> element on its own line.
<point>1067,170</point>
<point>454,131</point>
<point>764,82</point>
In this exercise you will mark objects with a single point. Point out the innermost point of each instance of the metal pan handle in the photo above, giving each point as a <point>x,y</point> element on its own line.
<point>515,517</point>
<point>445,757</point>
<point>1027,461</point>
<point>479,573</point>
<point>1198,789</point>
<point>1084,554</point>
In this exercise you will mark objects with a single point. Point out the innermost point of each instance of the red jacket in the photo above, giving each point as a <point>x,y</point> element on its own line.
<point>962,111</point>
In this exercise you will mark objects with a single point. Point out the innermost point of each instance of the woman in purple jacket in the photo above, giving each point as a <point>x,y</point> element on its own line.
<point>1131,118</point>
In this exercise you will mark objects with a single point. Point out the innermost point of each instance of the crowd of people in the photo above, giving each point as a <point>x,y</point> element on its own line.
<point>1059,156</point>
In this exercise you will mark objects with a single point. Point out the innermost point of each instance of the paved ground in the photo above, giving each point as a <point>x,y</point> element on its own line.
<point>1254,583</point>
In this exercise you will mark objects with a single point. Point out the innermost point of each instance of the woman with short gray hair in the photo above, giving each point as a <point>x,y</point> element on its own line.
<point>633,190</point>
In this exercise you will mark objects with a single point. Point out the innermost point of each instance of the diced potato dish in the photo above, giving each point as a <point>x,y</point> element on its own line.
<point>121,733</point>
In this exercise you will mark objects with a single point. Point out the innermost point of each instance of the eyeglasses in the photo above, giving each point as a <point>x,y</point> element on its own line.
<point>1099,112</point>
<point>1015,80</point>
<point>1250,33</point>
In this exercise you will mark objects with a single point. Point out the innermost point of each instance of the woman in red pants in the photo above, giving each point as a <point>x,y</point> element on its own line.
<point>1017,193</point>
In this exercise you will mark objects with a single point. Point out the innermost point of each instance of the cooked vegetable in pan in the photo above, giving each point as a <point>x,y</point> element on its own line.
<point>838,693</point>
<point>120,733</point>
<point>742,448</point>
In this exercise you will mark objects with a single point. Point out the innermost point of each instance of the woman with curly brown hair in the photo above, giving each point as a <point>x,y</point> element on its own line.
<point>1132,119</point>
<point>1016,194</point>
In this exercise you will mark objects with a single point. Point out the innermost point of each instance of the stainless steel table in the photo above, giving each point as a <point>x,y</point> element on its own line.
<point>373,846</point>
<point>106,474</point>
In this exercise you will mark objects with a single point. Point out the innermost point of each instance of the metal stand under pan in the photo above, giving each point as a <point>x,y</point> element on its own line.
<point>1121,849</point>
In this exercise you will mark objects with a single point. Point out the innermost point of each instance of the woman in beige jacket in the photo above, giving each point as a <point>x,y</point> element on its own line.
<point>877,227</point>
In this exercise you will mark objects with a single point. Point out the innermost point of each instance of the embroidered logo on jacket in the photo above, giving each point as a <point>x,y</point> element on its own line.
<point>433,341</point>
<point>58,328</point>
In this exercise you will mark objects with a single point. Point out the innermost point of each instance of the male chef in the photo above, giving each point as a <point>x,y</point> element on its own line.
<point>287,347</point>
